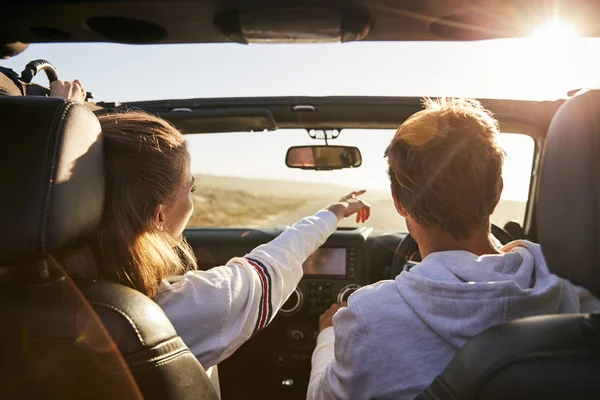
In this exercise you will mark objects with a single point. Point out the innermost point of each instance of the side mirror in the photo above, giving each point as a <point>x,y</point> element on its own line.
<point>323,157</point>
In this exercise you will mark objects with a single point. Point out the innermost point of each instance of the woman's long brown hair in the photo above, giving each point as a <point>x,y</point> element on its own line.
<point>145,160</point>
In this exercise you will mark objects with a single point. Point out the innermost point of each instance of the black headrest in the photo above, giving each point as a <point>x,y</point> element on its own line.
<point>52,176</point>
<point>568,217</point>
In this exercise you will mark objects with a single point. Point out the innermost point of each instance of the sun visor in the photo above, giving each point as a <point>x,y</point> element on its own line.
<point>216,121</point>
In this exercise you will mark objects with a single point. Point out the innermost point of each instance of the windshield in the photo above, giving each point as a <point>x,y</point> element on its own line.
<point>242,179</point>
<point>507,68</point>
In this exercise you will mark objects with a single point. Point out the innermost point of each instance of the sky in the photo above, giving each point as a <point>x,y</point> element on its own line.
<point>534,68</point>
<point>509,68</point>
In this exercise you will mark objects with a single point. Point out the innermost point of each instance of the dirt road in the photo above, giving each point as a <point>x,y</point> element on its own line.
<point>383,215</point>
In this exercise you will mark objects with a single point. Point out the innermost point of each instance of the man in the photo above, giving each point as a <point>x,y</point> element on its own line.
<point>395,336</point>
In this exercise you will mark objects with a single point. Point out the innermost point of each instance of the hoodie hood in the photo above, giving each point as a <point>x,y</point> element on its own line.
<point>458,294</point>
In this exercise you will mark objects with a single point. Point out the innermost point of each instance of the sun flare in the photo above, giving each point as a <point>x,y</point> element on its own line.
<point>555,31</point>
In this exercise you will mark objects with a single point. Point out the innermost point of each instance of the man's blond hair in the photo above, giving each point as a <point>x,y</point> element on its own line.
<point>445,166</point>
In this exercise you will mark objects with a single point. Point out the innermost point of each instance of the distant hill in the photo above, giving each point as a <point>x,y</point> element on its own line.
<point>222,207</point>
<point>233,201</point>
<point>273,187</point>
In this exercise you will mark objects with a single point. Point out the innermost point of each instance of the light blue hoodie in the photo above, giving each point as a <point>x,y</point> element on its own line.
<point>395,337</point>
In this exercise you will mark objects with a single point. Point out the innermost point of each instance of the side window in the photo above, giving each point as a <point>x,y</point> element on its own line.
<point>516,174</point>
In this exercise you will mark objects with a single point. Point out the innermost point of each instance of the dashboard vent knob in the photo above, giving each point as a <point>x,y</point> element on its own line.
<point>346,291</point>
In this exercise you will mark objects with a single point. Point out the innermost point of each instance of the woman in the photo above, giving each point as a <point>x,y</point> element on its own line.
<point>140,240</point>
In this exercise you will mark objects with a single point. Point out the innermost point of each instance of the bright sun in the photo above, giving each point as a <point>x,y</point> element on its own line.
<point>547,61</point>
<point>555,31</point>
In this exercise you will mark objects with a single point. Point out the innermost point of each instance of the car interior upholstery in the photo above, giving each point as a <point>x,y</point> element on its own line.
<point>570,166</point>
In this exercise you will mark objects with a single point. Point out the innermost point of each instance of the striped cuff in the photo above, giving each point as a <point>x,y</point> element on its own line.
<point>265,310</point>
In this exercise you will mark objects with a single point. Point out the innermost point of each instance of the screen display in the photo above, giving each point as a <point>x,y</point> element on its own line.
<point>326,261</point>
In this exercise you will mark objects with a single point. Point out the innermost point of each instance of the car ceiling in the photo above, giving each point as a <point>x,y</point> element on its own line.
<point>201,21</point>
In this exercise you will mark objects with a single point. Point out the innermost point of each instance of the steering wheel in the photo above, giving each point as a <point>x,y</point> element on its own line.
<point>408,248</point>
<point>36,66</point>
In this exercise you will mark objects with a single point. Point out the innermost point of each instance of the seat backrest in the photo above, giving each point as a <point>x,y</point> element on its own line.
<point>162,365</point>
<point>547,357</point>
<point>145,358</point>
<point>59,340</point>
<point>557,356</point>
<point>568,209</point>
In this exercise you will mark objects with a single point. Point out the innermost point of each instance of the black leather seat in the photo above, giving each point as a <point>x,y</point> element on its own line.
<point>557,356</point>
<point>59,340</point>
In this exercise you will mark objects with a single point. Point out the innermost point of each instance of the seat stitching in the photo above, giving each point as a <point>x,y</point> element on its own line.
<point>114,308</point>
<point>170,360</point>
<point>55,125</point>
<point>166,355</point>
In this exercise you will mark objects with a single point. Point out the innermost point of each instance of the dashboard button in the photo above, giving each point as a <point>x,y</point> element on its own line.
<point>293,303</point>
<point>281,358</point>
<point>346,292</point>
<point>297,335</point>
<point>287,382</point>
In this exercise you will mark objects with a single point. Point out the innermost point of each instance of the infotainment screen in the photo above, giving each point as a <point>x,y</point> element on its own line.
<point>326,261</point>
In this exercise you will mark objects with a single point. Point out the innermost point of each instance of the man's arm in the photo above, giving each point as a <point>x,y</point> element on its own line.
<point>322,357</point>
<point>588,303</point>
<point>342,361</point>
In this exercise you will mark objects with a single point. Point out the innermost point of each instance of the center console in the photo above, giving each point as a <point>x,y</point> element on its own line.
<point>331,275</point>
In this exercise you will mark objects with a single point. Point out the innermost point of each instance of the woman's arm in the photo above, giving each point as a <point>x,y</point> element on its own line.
<point>216,311</point>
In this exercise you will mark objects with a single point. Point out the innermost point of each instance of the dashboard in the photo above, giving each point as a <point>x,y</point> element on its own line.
<point>330,275</point>
<point>349,259</point>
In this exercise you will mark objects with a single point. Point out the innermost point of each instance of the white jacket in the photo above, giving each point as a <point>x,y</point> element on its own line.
<point>216,311</point>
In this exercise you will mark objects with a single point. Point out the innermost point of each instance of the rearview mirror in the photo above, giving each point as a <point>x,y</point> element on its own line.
<point>323,157</point>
